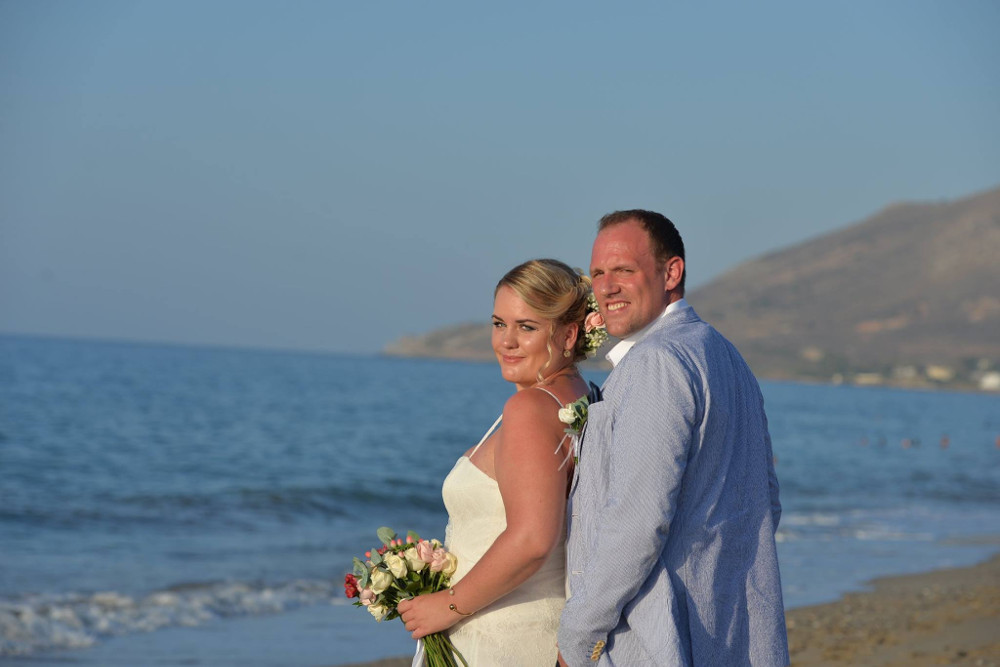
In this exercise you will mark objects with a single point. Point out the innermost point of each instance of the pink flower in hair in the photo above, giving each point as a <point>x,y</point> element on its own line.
<point>594,321</point>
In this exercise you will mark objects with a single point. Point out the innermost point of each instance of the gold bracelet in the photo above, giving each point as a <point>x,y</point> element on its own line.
<point>451,591</point>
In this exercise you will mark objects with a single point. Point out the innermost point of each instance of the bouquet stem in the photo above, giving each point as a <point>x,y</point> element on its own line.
<point>440,652</point>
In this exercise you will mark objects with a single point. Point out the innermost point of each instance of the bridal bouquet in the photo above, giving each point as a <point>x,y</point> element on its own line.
<point>400,570</point>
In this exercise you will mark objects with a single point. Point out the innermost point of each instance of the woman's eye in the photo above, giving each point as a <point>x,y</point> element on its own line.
<point>497,325</point>
<point>527,327</point>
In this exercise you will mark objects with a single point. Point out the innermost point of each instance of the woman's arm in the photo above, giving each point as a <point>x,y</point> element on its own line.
<point>534,496</point>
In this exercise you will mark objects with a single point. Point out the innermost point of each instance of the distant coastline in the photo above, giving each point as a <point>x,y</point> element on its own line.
<point>470,342</point>
<point>906,298</point>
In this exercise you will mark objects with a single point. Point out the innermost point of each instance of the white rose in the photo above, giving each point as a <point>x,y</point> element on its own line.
<point>381,580</point>
<point>451,564</point>
<point>379,611</point>
<point>567,415</point>
<point>413,560</point>
<point>396,565</point>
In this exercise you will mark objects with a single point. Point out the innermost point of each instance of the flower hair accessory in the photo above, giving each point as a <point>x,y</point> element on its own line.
<point>595,333</point>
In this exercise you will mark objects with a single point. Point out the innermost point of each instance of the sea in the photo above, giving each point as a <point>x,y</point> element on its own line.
<point>180,505</point>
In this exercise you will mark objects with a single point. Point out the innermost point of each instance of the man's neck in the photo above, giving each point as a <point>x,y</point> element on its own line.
<point>616,353</point>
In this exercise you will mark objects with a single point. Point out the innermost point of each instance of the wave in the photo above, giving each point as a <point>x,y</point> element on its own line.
<point>43,622</point>
<point>236,505</point>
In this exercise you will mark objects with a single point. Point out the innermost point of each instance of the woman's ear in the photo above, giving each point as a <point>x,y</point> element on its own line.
<point>572,333</point>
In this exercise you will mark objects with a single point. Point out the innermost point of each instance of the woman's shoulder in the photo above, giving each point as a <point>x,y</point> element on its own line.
<point>543,401</point>
<point>529,402</point>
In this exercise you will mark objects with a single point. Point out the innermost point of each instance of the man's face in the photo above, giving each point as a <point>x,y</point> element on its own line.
<point>630,288</point>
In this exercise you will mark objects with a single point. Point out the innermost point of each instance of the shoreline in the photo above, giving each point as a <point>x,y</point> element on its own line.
<point>942,617</point>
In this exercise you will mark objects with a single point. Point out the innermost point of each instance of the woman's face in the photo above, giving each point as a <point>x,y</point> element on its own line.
<point>520,336</point>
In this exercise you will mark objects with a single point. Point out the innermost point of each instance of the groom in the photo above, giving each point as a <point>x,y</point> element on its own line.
<point>671,552</point>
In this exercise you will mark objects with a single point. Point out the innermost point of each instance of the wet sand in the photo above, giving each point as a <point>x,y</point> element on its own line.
<point>946,617</point>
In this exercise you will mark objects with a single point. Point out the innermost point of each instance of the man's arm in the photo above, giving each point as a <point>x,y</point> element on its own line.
<point>655,415</point>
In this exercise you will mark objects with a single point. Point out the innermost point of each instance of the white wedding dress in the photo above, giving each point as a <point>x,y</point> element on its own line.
<point>520,628</point>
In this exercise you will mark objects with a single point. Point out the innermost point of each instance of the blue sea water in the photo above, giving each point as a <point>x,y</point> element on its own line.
<point>183,493</point>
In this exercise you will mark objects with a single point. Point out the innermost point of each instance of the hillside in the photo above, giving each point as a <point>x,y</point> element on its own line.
<point>909,296</point>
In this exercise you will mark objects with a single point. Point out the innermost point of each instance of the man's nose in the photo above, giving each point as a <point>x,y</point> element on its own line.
<point>606,286</point>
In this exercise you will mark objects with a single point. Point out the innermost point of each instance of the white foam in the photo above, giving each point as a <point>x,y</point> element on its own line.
<point>34,623</point>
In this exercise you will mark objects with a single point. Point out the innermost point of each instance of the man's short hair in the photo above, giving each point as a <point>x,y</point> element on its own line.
<point>665,238</point>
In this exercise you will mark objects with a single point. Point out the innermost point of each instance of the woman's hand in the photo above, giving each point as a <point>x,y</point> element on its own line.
<point>426,614</point>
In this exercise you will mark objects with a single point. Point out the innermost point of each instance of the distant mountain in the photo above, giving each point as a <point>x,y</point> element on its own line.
<point>908,296</point>
<point>469,341</point>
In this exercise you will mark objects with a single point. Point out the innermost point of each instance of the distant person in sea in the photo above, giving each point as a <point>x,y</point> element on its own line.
<point>674,504</point>
<point>506,497</point>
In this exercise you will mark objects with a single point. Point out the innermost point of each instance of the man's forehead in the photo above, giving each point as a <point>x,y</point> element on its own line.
<point>610,247</point>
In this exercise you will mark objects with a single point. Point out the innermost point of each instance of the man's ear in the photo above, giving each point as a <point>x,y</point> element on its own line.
<point>673,272</point>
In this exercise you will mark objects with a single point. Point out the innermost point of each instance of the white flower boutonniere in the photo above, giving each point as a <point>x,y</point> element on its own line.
<point>574,415</point>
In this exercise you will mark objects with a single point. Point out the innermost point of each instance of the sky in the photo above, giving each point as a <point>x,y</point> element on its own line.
<point>330,176</point>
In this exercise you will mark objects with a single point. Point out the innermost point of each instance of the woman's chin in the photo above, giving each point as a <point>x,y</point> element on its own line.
<point>518,376</point>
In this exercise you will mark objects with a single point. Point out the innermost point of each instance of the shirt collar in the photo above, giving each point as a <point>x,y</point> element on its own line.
<point>616,353</point>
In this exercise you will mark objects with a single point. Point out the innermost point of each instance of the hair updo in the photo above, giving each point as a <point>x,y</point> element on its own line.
<point>556,292</point>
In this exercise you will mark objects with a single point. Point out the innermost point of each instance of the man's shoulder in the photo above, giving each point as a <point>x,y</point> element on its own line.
<point>682,337</point>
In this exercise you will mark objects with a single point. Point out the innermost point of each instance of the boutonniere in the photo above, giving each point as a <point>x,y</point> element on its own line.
<point>574,415</point>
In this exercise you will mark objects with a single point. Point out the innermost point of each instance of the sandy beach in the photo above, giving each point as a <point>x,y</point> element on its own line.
<point>946,617</point>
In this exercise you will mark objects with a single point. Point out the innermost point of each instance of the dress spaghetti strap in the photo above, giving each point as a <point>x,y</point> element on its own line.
<point>497,423</point>
<point>488,434</point>
<point>554,397</point>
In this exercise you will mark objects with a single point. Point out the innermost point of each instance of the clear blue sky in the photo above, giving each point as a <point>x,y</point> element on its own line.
<point>331,175</point>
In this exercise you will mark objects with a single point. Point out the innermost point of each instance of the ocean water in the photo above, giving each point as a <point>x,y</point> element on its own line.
<point>182,504</point>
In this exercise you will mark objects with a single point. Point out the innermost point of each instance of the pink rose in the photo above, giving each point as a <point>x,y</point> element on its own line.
<point>367,596</point>
<point>425,550</point>
<point>439,560</point>
<point>593,321</point>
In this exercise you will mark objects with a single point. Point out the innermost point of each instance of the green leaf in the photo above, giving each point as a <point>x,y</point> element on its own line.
<point>376,558</point>
<point>386,534</point>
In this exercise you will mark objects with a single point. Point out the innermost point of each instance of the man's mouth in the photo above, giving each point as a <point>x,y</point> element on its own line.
<point>618,305</point>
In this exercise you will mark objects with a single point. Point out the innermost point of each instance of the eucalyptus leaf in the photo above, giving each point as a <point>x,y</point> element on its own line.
<point>386,534</point>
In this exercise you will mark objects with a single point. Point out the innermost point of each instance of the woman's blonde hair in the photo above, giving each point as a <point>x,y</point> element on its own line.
<point>556,292</point>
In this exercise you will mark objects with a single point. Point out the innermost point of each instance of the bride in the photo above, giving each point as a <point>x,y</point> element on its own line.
<point>506,497</point>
